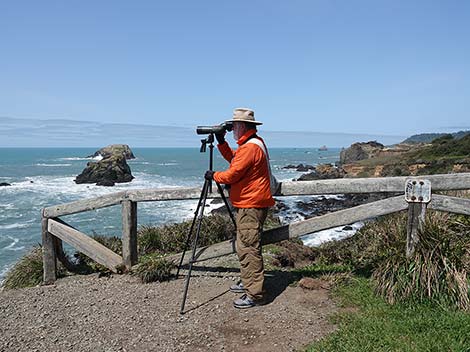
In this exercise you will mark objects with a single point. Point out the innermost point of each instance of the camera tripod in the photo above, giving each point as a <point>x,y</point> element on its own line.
<point>198,217</point>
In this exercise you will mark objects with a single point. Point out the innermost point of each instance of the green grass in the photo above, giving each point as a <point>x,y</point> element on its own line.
<point>319,269</point>
<point>378,326</point>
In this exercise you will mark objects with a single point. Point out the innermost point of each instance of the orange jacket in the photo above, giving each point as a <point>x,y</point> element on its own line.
<point>248,174</point>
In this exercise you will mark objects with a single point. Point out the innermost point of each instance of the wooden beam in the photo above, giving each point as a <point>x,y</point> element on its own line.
<point>86,245</point>
<point>297,229</point>
<point>450,204</point>
<point>48,254</point>
<point>62,256</point>
<point>156,194</point>
<point>129,233</point>
<point>84,205</point>
<point>289,188</point>
<point>372,185</point>
<point>337,218</point>
<point>59,249</point>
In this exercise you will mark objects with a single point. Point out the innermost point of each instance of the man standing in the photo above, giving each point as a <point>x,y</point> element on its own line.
<point>249,178</point>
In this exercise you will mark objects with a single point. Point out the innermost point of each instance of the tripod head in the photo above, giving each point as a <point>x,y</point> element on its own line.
<point>204,142</point>
<point>209,140</point>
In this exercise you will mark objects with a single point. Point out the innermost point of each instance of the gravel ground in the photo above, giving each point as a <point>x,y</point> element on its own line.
<point>118,313</point>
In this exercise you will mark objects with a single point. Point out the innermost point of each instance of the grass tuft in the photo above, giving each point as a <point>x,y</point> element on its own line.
<point>154,268</point>
<point>28,271</point>
<point>171,238</point>
<point>438,270</point>
<point>369,247</point>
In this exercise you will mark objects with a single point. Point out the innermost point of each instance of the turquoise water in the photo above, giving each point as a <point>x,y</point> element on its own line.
<point>42,177</point>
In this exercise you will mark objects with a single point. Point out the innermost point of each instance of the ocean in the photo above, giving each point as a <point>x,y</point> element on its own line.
<point>42,177</point>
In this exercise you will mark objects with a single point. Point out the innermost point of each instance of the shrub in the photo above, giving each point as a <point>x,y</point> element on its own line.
<point>154,268</point>
<point>369,246</point>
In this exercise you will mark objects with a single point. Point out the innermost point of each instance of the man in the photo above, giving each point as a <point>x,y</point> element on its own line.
<point>248,176</point>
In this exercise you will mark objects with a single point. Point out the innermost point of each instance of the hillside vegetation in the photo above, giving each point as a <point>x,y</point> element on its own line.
<point>444,155</point>
<point>429,137</point>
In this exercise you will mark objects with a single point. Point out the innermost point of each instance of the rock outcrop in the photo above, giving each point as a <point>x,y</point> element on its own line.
<point>2,184</point>
<point>106,172</point>
<point>360,151</point>
<point>114,149</point>
<point>300,167</point>
<point>323,172</point>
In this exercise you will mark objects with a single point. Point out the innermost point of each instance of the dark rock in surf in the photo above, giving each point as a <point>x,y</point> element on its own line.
<point>323,172</point>
<point>106,172</point>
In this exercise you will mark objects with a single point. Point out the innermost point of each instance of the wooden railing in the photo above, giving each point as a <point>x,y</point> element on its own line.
<point>55,230</point>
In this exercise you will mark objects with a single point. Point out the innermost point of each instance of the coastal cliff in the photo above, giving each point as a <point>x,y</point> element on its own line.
<point>446,154</point>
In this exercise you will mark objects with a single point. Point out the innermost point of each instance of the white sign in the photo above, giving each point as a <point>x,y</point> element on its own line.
<point>418,191</point>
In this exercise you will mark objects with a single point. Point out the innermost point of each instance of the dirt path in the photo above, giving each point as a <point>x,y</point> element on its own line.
<point>118,313</point>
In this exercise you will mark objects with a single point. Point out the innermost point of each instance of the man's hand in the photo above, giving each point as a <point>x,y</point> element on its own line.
<point>209,175</point>
<point>220,137</point>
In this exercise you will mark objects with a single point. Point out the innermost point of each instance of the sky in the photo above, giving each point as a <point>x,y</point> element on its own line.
<point>359,67</point>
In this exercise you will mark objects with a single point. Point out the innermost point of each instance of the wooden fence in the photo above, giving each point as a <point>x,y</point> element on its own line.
<point>55,230</point>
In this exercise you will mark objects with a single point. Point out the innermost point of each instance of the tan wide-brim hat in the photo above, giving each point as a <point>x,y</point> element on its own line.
<point>244,115</point>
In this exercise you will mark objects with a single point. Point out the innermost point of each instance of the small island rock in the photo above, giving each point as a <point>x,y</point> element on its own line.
<point>106,172</point>
<point>114,149</point>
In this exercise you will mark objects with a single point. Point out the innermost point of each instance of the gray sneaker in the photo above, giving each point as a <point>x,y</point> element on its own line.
<point>237,288</point>
<point>245,302</point>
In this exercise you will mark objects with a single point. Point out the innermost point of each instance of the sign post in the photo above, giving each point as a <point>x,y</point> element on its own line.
<point>418,195</point>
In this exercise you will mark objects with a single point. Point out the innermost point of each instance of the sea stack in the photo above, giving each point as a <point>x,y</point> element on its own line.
<point>112,169</point>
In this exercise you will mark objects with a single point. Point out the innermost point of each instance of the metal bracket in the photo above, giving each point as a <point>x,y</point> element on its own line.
<point>418,191</point>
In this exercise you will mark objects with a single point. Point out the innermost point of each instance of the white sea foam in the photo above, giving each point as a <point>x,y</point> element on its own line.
<point>3,273</point>
<point>65,187</point>
<point>53,165</point>
<point>75,158</point>
<point>15,226</point>
<point>338,233</point>
<point>12,245</point>
<point>167,164</point>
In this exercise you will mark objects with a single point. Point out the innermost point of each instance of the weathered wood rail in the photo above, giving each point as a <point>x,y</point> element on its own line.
<point>55,230</point>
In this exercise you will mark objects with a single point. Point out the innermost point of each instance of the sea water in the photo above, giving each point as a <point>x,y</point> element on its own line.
<point>42,177</point>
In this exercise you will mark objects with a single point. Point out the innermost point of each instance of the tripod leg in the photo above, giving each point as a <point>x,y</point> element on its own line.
<point>188,238</point>
<point>221,191</point>
<point>196,238</point>
<point>219,187</point>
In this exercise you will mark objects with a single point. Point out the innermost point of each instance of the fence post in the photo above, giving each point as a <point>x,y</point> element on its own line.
<point>129,233</point>
<point>418,195</point>
<point>48,255</point>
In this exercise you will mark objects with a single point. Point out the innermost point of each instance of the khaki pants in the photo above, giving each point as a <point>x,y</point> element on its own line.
<point>249,227</point>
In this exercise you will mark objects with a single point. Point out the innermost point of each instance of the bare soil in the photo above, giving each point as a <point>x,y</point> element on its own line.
<point>118,313</point>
